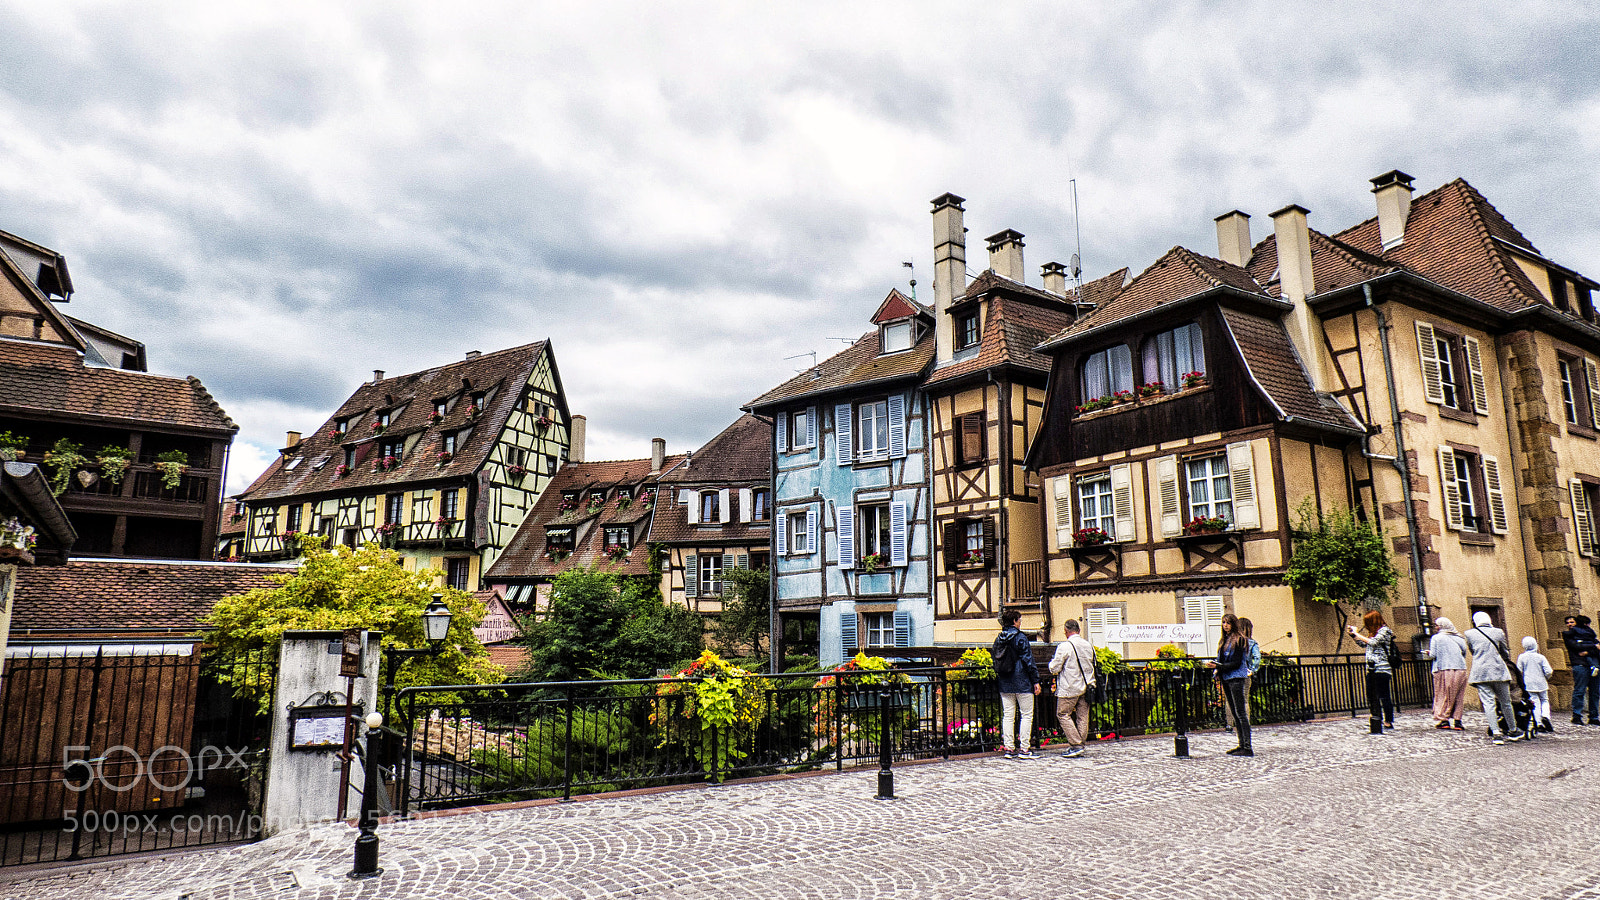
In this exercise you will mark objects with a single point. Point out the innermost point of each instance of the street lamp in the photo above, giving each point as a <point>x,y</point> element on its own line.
<point>435,627</point>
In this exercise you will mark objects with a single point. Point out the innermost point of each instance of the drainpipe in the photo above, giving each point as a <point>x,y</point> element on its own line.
<point>1424,618</point>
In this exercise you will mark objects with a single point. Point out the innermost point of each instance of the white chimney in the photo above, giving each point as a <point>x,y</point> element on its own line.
<point>1233,238</point>
<point>1296,283</point>
<point>658,455</point>
<point>1005,255</point>
<point>949,271</point>
<point>576,435</point>
<point>474,354</point>
<point>377,375</point>
<point>1055,278</point>
<point>1393,190</point>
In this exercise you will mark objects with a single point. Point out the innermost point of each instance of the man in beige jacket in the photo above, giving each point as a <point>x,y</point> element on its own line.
<point>1073,666</point>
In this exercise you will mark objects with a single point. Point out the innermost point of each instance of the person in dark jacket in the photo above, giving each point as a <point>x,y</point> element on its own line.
<point>1583,655</point>
<point>1233,666</point>
<point>1017,690</point>
<point>1380,698</point>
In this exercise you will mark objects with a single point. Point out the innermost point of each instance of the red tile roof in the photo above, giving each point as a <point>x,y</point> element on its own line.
<point>1179,274</point>
<point>1013,327</point>
<point>1270,358</point>
<point>50,380</point>
<point>859,365</point>
<point>897,306</point>
<point>123,596</point>
<point>741,452</point>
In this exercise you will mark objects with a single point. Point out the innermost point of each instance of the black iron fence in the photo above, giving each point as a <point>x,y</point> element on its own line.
<point>464,745</point>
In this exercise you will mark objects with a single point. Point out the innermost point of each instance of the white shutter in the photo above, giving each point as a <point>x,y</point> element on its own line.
<point>847,631</point>
<point>692,498</point>
<point>1499,522</point>
<point>811,529</point>
<point>843,433</point>
<point>744,561</point>
<point>1167,492</point>
<point>1591,374</point>
<point>724,509</point>
<point>1061,491</point>
<point>1582,517</point>
<point>897,426</point>
<point>847,536</point>
<point>1096,619</point>
<point>811,426</point>
<point>1122,502</point>
<point>1480,391</point>
<point>1428,353</point>
<point>902,628</point>
<point>897,534</point>
<point>746,505</point>
<point>782,521</point>
<point>1205,611</point>
<point>1242,480</point>
<point>783,432</point>
<point>1448,489</point>
<point>691,575</point>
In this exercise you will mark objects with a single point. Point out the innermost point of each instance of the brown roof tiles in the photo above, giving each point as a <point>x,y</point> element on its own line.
<point>51,380</point>
<point>121,596</point>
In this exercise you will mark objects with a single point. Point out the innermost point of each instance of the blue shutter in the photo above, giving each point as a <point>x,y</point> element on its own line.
<point>902,629</point>
<point>897,425</point>
<point>847,631</point>
<point>897,534</point>
<point>783,432</point>
<point>691,576</point>
<point>782,523</point>
<point>843,433</point>
<point>811,529</point>
<point>811,426</point>
<point>847,538</point>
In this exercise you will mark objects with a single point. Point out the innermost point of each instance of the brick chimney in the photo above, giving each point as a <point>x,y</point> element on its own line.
<point>949,271</point>
<point>1233,238</point>
<point>658,455</point>
<point>1393,190</point>
<point>1005,255</point>
<point>1055,278</point>
<point>577,435</point>
<point>1296,282</point>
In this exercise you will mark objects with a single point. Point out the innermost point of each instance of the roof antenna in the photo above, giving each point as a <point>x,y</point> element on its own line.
<point>1077,234</point>
<point>913,269</point>
<point>810,353</point>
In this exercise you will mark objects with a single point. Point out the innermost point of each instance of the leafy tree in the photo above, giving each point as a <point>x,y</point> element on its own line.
<point>1339,559</point>
<point>363,588</point>
<point>600,624</point>
<point>746,610</point>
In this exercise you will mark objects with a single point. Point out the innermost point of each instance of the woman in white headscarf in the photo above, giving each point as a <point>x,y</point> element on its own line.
<point>1449,651</point>
<point>1491,675</point>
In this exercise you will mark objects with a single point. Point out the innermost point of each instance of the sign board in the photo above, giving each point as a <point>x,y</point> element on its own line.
<point>350,658</point>
<point>497,626</point>
<point>318,727</point>
<point>1154,634</point>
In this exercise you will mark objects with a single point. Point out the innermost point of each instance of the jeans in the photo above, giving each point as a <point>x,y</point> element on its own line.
<point>1073,714</point>
<point>1496,698</point>
<point>1379,701</point>
<point>1583,678</point>
<point>1009,707</point>
<point>1233,690</point>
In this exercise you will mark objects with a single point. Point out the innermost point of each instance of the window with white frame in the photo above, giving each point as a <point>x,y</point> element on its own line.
<point>1452,369</point>
<point>897,336</point>
<point>1097,620</point>
<point>880,629</point>
<point>799,429</point>
<point>1094,503</point>
<point>710,582</point>
<point>618,537</point>
<point>1105,373</point>
<point>710,507</point>
<point>872,433</point>
<point>873,531</point>
<point>1473,496</point>
<point>1209,487</point>
<point>797,534</point>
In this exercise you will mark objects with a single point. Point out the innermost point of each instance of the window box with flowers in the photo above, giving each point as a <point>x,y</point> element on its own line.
<point>516,471</point>
<point>63,459</point>
<point>568,504</point>
<point>376,427</point>
<point>595,504</point>
<point>973,559</point>
<point>648,498</point>
<point>341,471</point>
<point>1193,379</point>
<point>388,532</point>
<point>290,540</point>
<point>443,524</point>
<point>872,562</point>
<point>618,553</point>
<point>386,464</point>
<point>557,554</point>
<point>17,537</point>
<point>1090,537</point>
<point>114,461</point>
<point>435,417</point>
<point>1151,389</point>
<point>444,456</point>
<point>172,464</point>
<point>543,422</point>
<point>1205,525</point>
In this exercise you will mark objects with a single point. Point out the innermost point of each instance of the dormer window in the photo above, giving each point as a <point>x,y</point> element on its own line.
<point>440,407</point>
<point>450,443</point>
<point>618,537</point>
<point>383,418</point>
<point>559,540</point>
<point>897,336</point>
<point>477,403</point>
<point>967,330</point>
<point>340,426</point>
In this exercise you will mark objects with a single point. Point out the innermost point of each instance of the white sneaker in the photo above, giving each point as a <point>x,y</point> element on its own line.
<point>1026,754</point>
<point>1499,739</point>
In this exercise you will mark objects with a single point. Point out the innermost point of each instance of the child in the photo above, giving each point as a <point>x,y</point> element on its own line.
<point>1535,674</point>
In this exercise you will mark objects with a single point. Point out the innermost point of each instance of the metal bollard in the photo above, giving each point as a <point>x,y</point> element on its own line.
<point>885,756</point>
<point>366,849</point>
<point>1180,737</point>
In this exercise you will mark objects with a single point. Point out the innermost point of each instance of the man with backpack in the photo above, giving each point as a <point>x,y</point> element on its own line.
<point>1019,683</point>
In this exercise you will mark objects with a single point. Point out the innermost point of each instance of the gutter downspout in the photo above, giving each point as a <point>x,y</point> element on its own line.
<point>1424,618</point>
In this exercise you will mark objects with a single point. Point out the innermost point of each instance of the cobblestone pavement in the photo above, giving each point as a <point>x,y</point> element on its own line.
<point>1323,810</point>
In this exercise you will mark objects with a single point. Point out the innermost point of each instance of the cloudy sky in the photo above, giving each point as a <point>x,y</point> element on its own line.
<point>281,197</point>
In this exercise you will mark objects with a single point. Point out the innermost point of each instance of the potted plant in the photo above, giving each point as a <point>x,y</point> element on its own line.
<point>63,459</point>
<point>376,427</point>
<point>435,417</point>
<point>617,553</point>
<point>516,471</point>
<point>1149,389</point>
<point>648,498</point>
<point>1098,404</point>
<point>1090,537</point>
<point>543,422</point>
<point>870,563</point>
<point>725,706</point>
<point>341,471</point>
<point>12,446</point>
<point>444,456</point>
<point>1191,379</point>
<point>972,558</point>
<point>387,532</point>
<point>336,432</point>
<point>557,554</point>
<point>443,523</point>
<point>623,502</point>
<point>595,503</point>
<point>1122,397</point>
<point>172,464</point>
<point>114,462</point>
<point>291,540</point>
<point>568,504</point>
<point>387,463</point>
<point>1205,525</point>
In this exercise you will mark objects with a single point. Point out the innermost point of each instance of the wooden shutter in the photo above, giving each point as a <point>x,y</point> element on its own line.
<point>744,561</point>
<point>847,631</point>
<point>1122,502</point>
<point>1480,392</point>
<point>811,426</point>
<point>728,562</point>
<point>1205,611</point>
<point>1061,491</point>
<point>782,437</point>
<point>972,438</point>
<point>724,508</point>
<point>782,521</point>
<point>989,557</point>
<point>691,575</point>
<point>692,498</point>
<point>897,534</point>
<point>897,426</point>
<point>1591,375</point>
<point>811,529</point>
<point>1582,517</point>
<point>1242,481</point>
<point>902,628</point>
<point>1167,491</point>
<point>746,504</point>
<point>847,536</point>
<point>843,433</point>
<point>955,542</point>
<point>1499,522</point>
<point>1428,353</point>
<point>1448,489</point>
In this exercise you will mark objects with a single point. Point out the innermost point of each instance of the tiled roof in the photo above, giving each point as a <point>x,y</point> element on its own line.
<point>858,365</point>
<point>1179,274</point>
<point>1012,329</point>
<point>503,372</point>
<point>47,379</point>
<point>897,306</point>
<point>670,525</point>
<point>1270,356</point>
<point>124,596</point>
<point>526,554</point>
<point>742,452</point>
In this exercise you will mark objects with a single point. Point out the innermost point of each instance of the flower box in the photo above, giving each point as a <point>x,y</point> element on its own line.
<point>1206,525</point>
<point>1090,537</point>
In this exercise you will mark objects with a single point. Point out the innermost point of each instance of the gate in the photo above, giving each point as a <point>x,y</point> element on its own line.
<point>108,749</point>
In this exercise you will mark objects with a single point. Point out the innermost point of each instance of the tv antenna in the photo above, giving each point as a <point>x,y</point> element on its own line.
<point>810,353</point>
<point>1077,235</point>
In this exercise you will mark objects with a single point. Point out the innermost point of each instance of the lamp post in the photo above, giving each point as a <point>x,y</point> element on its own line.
<point>435,627</point>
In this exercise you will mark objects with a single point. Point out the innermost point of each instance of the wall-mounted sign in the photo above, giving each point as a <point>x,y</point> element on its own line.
<point>1154,634</point>
<point>497,626</point>
<point>355,641</point>
<point>319,727</point>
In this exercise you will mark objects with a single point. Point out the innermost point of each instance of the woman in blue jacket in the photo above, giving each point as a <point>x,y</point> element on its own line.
<point>1233,665</point>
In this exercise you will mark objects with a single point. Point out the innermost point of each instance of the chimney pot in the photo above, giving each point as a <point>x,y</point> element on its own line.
<point>377,375</point>
<point>474,354</point>
<point>1233,238</point>
<point>1005,255</point>
<point>949,270</point>
<point>1055,278</point>
<point>1393,191</point>
<point>577,437</point>
<point>291,439</point>
<point>658,455</point>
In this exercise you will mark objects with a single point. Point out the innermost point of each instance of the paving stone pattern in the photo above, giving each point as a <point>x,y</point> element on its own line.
<point>1323,810</point>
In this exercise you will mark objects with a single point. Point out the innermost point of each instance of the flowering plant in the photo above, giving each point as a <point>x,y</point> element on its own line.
<point>444,456</point>
<point>854,674</point>
<point>975,662</point>
<point>595,503</point>
<point>1149,389</point>
<point>376,427</point>
<point>336,432</point>
<point>727,702</point>
<point>1122,396</point>
<point>442,522</point>
<point>14,535</point>
<point>1205,525</point>
<point>1097,404</point>
<point>617,552</point>
<point>1090,537</point>
<point>386,463</point>
<point>568,504</point>
<point>388,528</point>
<point>1190,379</point>
<point>341,470</point>
<point>543,422</point>
<point>435,417</point>
<point>516,471</point>
<point>623,502</point>
<point>972,558</point>
<point>648,498</point>
<point>870,563</point>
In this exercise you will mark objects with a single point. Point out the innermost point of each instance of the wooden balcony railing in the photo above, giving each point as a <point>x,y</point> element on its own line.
<point>1027,580</point>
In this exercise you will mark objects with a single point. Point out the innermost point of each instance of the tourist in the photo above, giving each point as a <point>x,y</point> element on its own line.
<point>1584,657</point>
<point>1449,651</point>
<point>1380,673</point>
<point>1233,665</point>
<point>1536,674</point>
<point>1019,684</point>
<point>1248,629</point>
<point>1073,666</point>
<point>1491,675</point>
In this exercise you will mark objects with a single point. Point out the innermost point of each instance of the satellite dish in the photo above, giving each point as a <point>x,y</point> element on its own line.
<point>1077,269</point>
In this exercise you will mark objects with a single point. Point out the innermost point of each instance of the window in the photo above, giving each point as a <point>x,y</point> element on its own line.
<point>873,531</point>
<point>880,628</point>
<point>324,527</point>
<point>383,418</point>
<point>872,438</point>
<point>549,464</point>
<point>897,336</point>
<point>969,544</point>
<point>448,500</point>
<point>760,505</point>
<point>349,457</point>
<point>619,536</point>
<point>973,538</point>
<point>450,443</point>
<point>1452,370</point>
<point>392,508</point>
<point>798,534</point>
<point>710,507</point>
<point>292,520</point>
<point>349,537</point>
<point>1210,490</point>
<point>477,403</point>
<point>967,330</point>
<point>340,426</point>
<point>1569,398</point>
<point>456,570</point>
<point>559,540</point>
<point>1474,501</point>
<point>1585,503</point>
<point>421,508</point>
<point>970,435</point>
<point>1094,504</point>
<point>710,581</point>
<point>1171,355</point>
<point>440,407</point>
<point>1097,622</point>
<point>797,429</point>
<point>396,449</point>
<point>759,559</point>
<point>1107,372</point>
<point>516,456</point>
<point>1580,391</point>
<point>1446,353</point>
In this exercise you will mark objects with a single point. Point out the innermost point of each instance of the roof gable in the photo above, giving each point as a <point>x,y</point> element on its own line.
<point>896,306</point>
